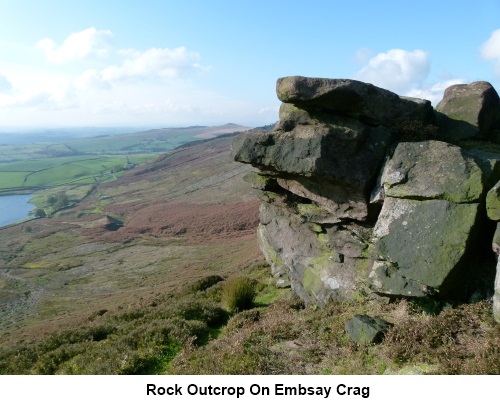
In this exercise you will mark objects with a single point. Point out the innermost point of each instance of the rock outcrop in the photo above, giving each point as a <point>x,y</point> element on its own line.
<point>470,110</point>
<point>363,191</point>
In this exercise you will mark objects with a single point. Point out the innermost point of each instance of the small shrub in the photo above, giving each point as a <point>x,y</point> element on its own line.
<point>205,283</point>
<point>40,213</point>
<point>206,311</point>
<point>239,293</point>
<point>243,320</point>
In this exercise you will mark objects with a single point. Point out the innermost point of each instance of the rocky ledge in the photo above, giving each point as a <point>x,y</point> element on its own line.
<point>366,193</point>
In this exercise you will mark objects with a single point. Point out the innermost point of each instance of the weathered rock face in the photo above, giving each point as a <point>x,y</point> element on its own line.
<point>455,174</point>
<point>351,209</point>
<point>342,159</point>
<point>350,98</point>
<point>419,245</point>
<point>364,330</point>
<point>427,224</point>
<point>476,104</point>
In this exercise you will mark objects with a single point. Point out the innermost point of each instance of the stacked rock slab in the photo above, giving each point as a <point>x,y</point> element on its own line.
<point>348,209</point>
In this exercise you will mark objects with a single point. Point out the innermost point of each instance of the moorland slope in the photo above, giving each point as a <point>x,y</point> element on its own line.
<point>186,214</point>
<point>132,280</point>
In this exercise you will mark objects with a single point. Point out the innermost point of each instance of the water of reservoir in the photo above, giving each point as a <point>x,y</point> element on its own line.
<point>13,208</point>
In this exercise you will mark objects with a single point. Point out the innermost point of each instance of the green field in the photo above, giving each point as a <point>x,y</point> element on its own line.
<point>146,142</point>
<point>52,172</point>
<point>40,165</point>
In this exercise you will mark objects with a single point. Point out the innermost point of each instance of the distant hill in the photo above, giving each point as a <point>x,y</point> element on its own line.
<point>80,136</point>
<point>86,160</point>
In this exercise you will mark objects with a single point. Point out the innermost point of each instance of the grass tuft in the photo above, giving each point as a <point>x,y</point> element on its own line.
<point>239,293</point>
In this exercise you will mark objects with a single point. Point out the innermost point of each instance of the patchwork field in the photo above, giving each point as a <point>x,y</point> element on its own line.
<point>28,167</point>
<point>51,172</point>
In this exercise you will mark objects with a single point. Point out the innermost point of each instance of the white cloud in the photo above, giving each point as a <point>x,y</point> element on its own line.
<point>434,92</point>
<point>405,72</point>
<point>5,84</point>
<point>152,64</point>
<point>78,45</point>
<point>43,101</point>
<point>155,62</point>
<point>397,69</point>
<point>91,78</point>
<point>33,88</point>
<point>490,50</point>
<point>150,86</point>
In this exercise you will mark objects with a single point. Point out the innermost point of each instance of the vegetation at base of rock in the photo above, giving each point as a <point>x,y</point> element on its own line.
<point>287,338</point>
<point>139,341</point>
<point>410,130</point>
<point>239,293</point>
<point>464,339</point>
<point>193,334</point>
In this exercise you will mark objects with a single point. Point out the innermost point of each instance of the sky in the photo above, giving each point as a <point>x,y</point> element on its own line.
<point>179,63</point>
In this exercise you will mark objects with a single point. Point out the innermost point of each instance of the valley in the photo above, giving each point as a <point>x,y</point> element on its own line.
<point>131,279</point>
<point>89,160</point>
<point>178,213</point>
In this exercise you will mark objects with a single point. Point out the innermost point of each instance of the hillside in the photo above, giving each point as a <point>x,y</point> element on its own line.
<point>132,281</point>
<point>186,214</point>
<point>82,162</point>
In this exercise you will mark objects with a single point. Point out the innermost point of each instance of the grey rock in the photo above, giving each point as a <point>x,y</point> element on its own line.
<point>290,116</point>
<point>422,245</point>
<point>364,329</point>
<point>432,170</point>
<point>471,110</point>
<point>260,181</point>
<point>351,98</point>
<point>315,214</point>
<point>334,162</point>
<point>317,272</point>
<point>339,200</point>
<point>346,212</point>
<point>283,282</point>
<point>489,163</point>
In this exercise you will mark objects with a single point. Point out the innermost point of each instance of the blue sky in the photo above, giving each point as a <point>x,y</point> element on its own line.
<point>173,63</point>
